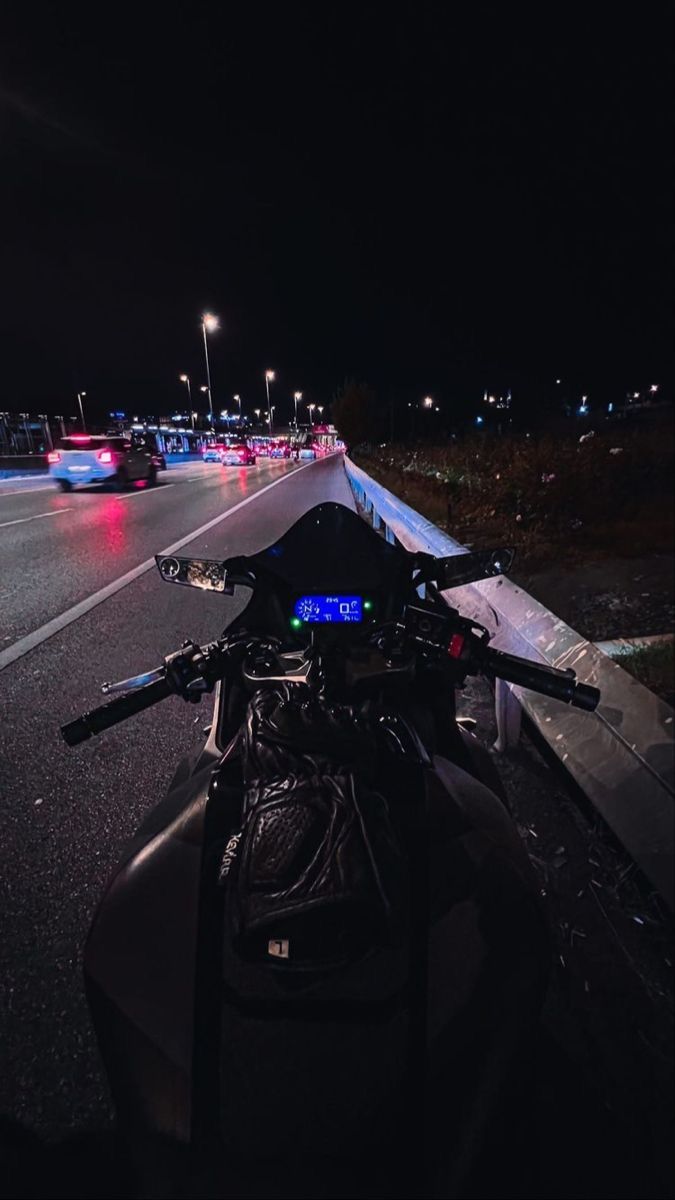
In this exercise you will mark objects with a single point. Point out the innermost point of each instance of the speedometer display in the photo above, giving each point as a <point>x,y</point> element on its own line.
<point>327,610</point>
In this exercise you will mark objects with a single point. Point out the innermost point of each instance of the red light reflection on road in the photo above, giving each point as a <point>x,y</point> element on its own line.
<point>111,521</point>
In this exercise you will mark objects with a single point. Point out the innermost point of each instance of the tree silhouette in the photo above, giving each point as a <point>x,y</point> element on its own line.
<point>356,414</point>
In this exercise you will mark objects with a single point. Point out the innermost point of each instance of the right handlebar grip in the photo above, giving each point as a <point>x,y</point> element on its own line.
<point>116,710</point>
<point>539,677</point>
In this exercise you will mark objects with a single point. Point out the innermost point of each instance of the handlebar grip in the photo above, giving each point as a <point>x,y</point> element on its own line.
<point>585,696</point>
<point>538,677</point>
<point>116,710</point>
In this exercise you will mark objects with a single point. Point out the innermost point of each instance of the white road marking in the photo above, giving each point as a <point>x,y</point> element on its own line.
<point>31,640</point>
<point>146,491</point>
<point>22,520</point>
<point>46,487</point>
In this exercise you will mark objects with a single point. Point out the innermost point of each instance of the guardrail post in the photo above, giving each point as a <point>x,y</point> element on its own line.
<point>508,716</point>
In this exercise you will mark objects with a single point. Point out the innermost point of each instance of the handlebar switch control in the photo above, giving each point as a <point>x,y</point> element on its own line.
<point>427,627</point>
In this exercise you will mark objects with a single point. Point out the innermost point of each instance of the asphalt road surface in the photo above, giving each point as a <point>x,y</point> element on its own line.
<point>67,813</point>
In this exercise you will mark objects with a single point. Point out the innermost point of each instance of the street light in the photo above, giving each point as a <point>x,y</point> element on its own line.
<point>238,400</point>
<point>654,388</point>
<point>428,402</point>
<point>319,409</point>
<point>79,400</point>
<point>269,378</point>
<point>297,396</point>
<point>186,380</point>
<point>311,408</point>
<point>210,323</point>
<point>256,412</point>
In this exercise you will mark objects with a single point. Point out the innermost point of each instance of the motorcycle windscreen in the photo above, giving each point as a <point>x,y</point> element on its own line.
<point>331,548</point>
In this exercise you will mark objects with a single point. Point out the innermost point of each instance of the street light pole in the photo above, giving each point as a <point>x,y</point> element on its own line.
<point>296,397</point>
<point>269,378</point>
<point>311,408</point>
<point>238,400</point>
<point>211,323</point>
<point>185,379</point>
<point>79,400</point>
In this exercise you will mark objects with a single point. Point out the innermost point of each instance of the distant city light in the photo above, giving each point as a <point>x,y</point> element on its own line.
<point>479,420</point>
<point>654,387</point>
<point>428,402</point>
<point>610,407</point>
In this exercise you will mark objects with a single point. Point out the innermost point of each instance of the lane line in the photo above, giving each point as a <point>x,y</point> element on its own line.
<point>22,520</point>
<point>46,487</point>
<point>146,491</point>
<point>31,640</point>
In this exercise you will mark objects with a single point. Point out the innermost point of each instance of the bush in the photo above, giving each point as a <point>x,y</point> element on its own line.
<point>541,493</point>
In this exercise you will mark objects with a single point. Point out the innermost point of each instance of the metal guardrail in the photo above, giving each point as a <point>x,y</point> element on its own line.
<point>622,754</point>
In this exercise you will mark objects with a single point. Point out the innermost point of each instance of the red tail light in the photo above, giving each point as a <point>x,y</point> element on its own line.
<point>105,456</point>
<point>53,456</point>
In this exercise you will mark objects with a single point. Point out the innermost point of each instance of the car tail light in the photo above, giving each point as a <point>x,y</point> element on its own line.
<point>105,456</point>
<point>53,456</point>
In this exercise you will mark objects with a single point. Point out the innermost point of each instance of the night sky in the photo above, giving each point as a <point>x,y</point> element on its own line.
<point>436,202</point>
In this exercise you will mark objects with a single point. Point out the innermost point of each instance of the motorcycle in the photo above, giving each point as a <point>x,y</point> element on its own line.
<point>318,964</point>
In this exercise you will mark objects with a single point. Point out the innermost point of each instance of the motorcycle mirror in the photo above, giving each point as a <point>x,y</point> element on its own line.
<point>469,568</point>
<point>206,573</point>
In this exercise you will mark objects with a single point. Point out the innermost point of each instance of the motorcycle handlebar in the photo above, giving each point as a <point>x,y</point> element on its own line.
<point>561,685</point>
<point>116,710</point>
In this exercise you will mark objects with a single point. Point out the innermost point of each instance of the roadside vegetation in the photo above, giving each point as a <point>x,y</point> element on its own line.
<point>654,666</point>
<point>610,495</point>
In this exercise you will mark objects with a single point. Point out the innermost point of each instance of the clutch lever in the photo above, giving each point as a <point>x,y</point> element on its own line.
<point>134,682</point>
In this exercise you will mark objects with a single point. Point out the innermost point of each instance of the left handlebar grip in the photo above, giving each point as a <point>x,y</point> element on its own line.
<point>116,710</point>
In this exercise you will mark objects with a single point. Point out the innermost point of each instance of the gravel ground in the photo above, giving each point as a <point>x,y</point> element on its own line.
<point>614,597</point>
<point>601,1124</point>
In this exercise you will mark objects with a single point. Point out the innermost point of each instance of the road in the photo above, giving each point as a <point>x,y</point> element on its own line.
<point>66,813</point>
